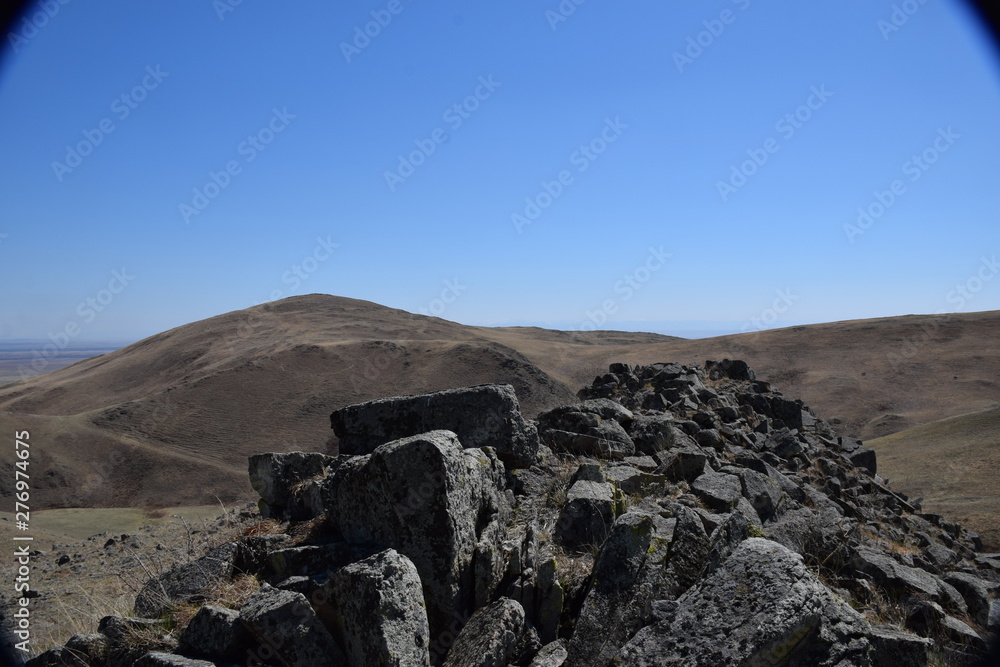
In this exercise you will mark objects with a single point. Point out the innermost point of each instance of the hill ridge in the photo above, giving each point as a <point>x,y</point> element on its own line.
<point>264,378</point>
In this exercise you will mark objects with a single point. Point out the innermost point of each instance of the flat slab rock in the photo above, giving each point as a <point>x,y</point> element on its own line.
<point>591,428</point>
<point>482,416</point>
<point>720,491</point>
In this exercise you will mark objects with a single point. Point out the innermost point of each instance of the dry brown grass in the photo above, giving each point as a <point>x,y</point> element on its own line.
<point>953,464</point>
<point>231,593</point>
<point>80,613</point>
<point>888,545</point>
<point>263,527</point>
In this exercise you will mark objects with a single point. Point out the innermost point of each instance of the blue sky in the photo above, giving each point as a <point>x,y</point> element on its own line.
<point>642,165</point>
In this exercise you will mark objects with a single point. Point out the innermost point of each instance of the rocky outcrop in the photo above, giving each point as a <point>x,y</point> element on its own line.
<point>483,416</point>
<point>763,607</point>
<point>439,504</point>
<point>683,516</point>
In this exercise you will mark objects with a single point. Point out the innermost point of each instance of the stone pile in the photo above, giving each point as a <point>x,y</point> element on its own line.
<point>676,515</point>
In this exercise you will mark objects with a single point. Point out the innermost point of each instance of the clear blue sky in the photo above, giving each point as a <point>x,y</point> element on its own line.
<point>642,137</point>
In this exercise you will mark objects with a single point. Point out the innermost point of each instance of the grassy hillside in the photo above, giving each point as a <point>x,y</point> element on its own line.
<point>954,464</point>
<point>171,419</point>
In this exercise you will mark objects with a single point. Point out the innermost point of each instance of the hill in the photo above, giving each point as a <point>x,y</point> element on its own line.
<point>171,419</point>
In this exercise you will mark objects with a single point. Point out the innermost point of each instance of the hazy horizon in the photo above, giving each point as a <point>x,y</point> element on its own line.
<point>693,329</point>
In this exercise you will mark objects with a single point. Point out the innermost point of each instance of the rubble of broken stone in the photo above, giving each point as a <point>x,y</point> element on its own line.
<point>676,515</point>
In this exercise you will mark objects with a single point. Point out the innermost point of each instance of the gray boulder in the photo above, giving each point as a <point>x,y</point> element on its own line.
<point>493,637</point>
<point>440,505</point>
<point>380,614</point>
<point>483,416</point>
<point>628,575</point>
<point>976,592</point>
<point>287,627</point>
<point>900,579</point>
<point>590,428</point>
<point>553,654</point>
<point>763,607</point>
<point>720,491</point>
<point>215,632</point>
<point>685,464</point>
<point>586,518</point>
<point>280,478</point>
